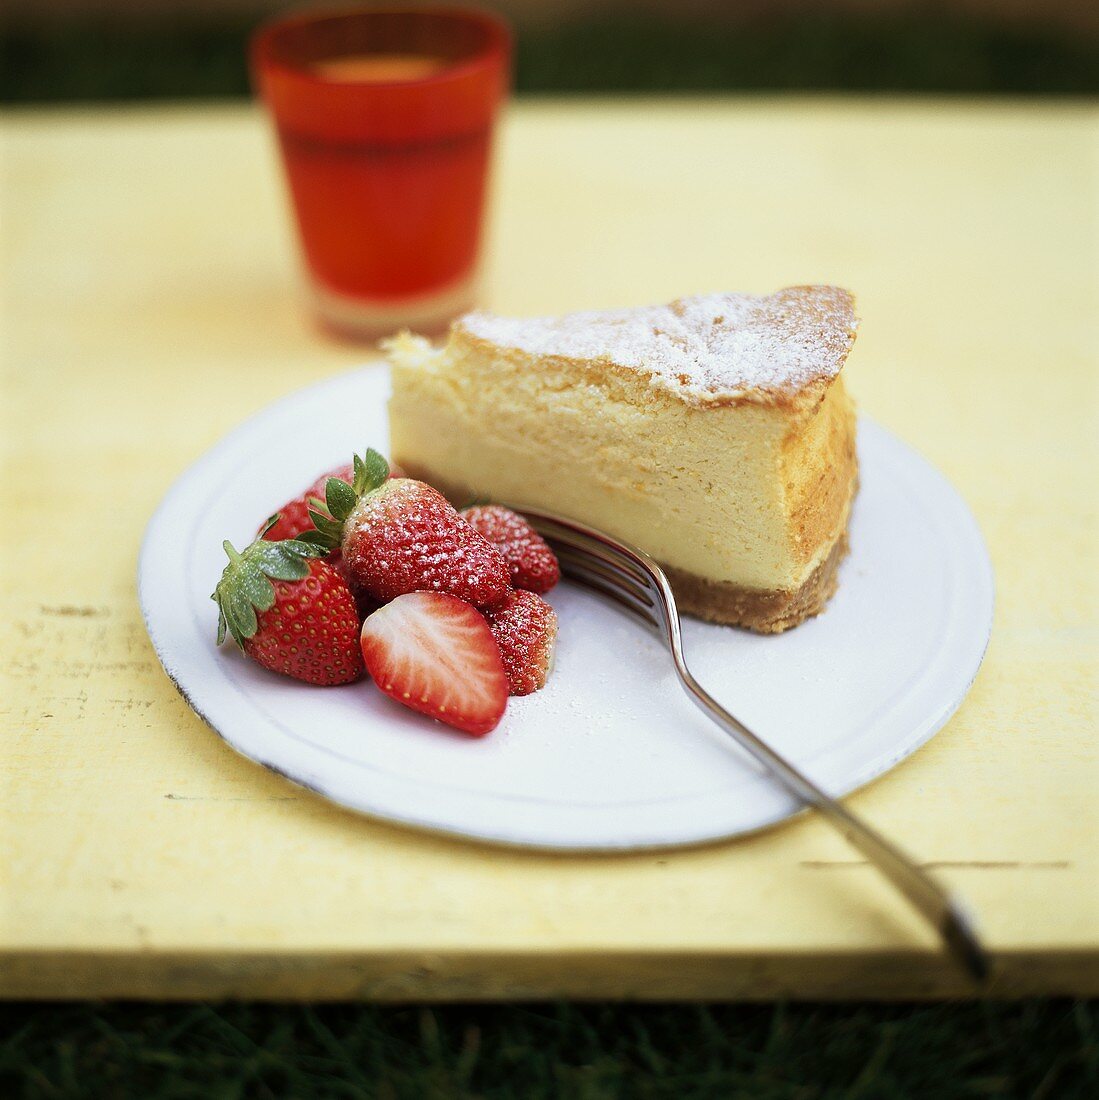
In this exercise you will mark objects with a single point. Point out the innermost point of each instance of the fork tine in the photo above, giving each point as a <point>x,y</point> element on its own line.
<point>572,557</point>
<point>591,543</point>
<point>613,597</point>
<point>621,566</point>
<point>603,565</point>
<point>576,561</point>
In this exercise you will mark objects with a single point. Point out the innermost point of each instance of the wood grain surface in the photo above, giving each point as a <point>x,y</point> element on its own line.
<point>151,301</point>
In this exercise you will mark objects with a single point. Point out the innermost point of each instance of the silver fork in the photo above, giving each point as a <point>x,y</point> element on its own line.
<point>634,581</point>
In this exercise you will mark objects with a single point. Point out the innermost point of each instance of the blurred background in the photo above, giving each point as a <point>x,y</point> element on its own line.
<point>103,50</point>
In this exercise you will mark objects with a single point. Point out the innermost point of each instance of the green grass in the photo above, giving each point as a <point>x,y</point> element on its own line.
<point>916,52</point>
<point>587,1052</point>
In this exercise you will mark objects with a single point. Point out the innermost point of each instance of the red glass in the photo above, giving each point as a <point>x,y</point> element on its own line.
<point>385,121</point>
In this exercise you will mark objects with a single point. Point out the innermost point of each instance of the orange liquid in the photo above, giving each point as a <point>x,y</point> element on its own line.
<point>379,68</point>
<point>387,221</point>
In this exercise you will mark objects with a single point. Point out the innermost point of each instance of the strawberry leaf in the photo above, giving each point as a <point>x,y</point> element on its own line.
<point>340,498</point>
<point>280,563</point>
<point>376,467</point>
<point>245,586</point>
<point>303,548</point>
<point>254,586</point>
<point>240,615</point>
<point>371,471</point>
<point>331,529</point>
<point>271,521</point>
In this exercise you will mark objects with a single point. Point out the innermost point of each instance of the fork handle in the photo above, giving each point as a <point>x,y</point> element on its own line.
<point>941,910</point>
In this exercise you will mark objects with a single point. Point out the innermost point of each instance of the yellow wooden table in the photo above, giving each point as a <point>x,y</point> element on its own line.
<point>150,302</point>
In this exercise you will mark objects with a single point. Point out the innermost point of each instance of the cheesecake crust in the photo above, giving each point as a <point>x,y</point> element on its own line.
<point>764,611</point>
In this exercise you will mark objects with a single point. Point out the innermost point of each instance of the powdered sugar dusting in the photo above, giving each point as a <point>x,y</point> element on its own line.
<point>406,537</point>
<point>701,348</point>
<point>525,629</point>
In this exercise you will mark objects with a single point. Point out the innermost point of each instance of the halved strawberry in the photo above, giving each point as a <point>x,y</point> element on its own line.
<point>435,654</point>
<point>290,611</point>
<point>525,629</point>
<point>531,563</point>
<point>400,535</point>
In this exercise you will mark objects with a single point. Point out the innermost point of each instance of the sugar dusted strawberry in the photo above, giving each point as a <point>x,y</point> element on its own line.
<point>293,520</point>
<point>400,535</point>
<point>435,654</point>
<point>525,629</point>
<point>409,538</point>
<point>531,564</point>
<point>290,611</point>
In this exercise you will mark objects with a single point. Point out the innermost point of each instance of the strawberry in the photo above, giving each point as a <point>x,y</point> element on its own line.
<point>525,629</point>
<point>435,654</point>
<point>399,535</point>
<point>531,563</point>
<point>364,602</point>
<point>290,611</point>
<point>293,517</point>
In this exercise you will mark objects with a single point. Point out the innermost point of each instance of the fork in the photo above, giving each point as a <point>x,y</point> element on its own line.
<point>633,580</point>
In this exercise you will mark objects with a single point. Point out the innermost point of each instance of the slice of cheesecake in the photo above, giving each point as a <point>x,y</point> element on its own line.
<point>714,432</point>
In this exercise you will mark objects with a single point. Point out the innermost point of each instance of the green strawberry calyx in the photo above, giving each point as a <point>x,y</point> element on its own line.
<point>371,473</point>
<point>245,586</point>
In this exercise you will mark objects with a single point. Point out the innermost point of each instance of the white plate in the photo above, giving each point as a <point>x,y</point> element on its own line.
<point>611,754</point>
